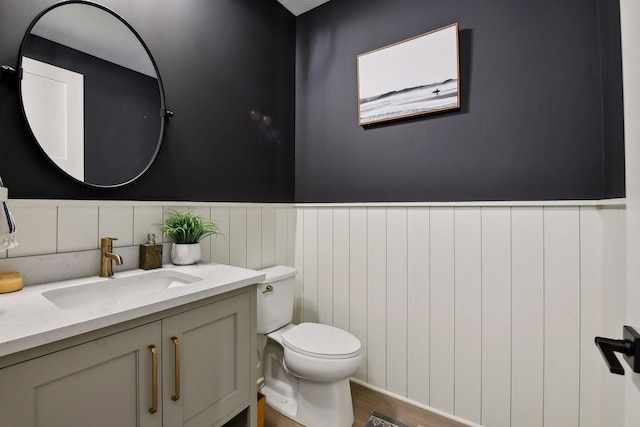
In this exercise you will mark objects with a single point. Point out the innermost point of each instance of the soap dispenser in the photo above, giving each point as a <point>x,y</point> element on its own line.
<point>151,253</point>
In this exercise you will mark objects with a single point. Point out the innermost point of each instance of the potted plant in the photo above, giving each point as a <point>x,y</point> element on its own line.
<point>187,230</point>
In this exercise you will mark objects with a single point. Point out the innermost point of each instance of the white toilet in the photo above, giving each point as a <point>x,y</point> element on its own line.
<point>307,366</point>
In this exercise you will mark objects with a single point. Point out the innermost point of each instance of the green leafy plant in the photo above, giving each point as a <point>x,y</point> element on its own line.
<point>186,228</point>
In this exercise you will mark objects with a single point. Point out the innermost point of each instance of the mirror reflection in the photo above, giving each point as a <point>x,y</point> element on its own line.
<point>91,94</point>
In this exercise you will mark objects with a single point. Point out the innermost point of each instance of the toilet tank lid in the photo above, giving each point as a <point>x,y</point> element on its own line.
<point>279,272</point>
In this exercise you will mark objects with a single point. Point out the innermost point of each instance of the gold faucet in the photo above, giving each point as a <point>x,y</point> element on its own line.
<point>107,257</point>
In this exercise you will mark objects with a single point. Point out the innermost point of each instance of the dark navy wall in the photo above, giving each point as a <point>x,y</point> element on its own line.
<point>219,61</point>
<point>541,115</point>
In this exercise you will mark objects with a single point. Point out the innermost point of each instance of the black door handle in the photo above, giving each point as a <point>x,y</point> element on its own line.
<point>629,346</point>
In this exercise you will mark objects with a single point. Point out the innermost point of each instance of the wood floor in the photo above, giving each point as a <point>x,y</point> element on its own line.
<point>364,402</point>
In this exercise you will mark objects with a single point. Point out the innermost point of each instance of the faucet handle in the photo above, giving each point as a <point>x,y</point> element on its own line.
<point>107,241</point>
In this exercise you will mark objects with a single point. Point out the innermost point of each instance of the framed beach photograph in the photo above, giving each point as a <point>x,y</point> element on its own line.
<point>410,78</point>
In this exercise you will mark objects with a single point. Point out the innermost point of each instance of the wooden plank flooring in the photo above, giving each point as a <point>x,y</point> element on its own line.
<point>365,401</point>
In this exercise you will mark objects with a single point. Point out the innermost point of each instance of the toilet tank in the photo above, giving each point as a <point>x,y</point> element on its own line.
<point>275,298</point>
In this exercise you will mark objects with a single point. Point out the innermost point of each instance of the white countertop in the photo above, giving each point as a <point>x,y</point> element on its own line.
<point>28,319</point>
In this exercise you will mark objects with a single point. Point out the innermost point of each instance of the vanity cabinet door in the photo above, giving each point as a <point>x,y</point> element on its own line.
<point>102,383</point>
<point>212,379</point>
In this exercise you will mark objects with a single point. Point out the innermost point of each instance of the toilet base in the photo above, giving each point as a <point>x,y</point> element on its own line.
<point>316,404</point>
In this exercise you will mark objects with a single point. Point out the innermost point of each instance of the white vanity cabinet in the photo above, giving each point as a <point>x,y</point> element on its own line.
<point>203,374</point>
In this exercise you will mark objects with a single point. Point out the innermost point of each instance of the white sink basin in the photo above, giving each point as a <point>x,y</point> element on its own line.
<point>113,294</point>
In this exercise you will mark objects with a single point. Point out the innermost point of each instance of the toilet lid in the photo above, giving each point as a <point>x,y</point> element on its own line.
<point>321,341</point>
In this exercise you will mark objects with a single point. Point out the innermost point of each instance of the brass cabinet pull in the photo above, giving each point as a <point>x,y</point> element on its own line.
<point>154,379</point>
<point>268,289</point>
<point>176,345</point>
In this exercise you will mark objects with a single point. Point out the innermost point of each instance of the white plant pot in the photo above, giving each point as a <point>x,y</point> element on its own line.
<point>182,254</point>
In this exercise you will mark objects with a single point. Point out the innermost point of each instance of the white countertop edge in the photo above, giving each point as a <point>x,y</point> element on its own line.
<point>24,308</point>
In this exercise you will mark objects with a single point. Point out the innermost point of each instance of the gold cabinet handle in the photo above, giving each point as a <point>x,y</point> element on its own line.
<point>268,289</point>
<point>176,346</point>
<point>154,379</point>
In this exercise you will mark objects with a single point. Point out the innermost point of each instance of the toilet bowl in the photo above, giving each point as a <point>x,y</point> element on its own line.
<point>306,366</point>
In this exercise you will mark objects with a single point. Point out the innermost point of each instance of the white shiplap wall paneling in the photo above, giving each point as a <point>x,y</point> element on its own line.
<point>591,277</point>
<point>36,230</point>
<point>146,220</point>
<point>238,236</point>
<point>442,308</point>
<point>561,316</point>
<point>268,241</point>
<point>358,280</point>
<point>254,238</point>
<point>220,245</point>
<point>325,266</point>
<point>527,330</point>
<point>78,228</point>
<point>310,266</point>
<point>480,311</point>
<point>377,297</point>
<point>341,264</point>
<point>281,236</point>
<point>396,308</point>
<point>418,305</point>
<point>468,313</point>
<point>614,237</point>
<point>299,264</point>
<point>205,244</point>
<point>292,216</point>
<point>496,316</point>
<point>116,221</point>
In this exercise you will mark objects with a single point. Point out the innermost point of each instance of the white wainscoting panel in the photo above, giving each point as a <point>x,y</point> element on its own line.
<point>254,238</point>
<point>377,297</point>
<point>591,280</point>
<point>358,280</point>
<point>78,228</point>
<point>340,267</point>
<point>220,247</point>
<point>527,316</point>
<point>485,313</point>
<point>325,266</point>
<point>268,241</point>
<point>496,316</point>
<point>396,308</point>
<point>310,267</point>
<point>418,295</point>
<point>238,252</point>
<point>253,235</point>
<point>442,308</point>
<point>561,316</point>
<point>468,313</point>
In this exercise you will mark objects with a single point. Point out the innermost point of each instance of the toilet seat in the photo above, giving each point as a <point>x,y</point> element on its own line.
<point>321,341</point>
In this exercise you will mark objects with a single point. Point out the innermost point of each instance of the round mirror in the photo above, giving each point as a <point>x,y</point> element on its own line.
<point>91,93</point>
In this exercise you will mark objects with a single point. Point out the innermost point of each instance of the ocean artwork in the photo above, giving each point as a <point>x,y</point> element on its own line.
<point>410,78</point>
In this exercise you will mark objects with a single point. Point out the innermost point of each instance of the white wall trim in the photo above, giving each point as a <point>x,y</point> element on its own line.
<point>53,202</point>
<point>554,203</point>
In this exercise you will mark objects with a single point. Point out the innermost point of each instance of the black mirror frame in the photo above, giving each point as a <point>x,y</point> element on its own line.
<point>164,113</point>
